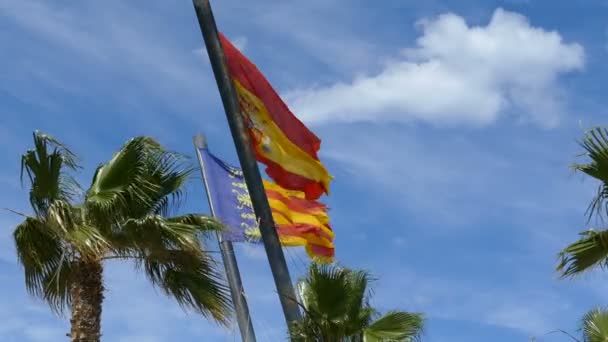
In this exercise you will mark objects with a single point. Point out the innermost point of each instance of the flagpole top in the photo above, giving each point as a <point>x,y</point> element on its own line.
<point>200,141</point>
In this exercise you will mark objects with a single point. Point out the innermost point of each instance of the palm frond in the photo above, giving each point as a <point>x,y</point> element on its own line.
<point>203,223</point>
<point>45,167</point>
<point>302,292</point>
<point>595,144</point>
<point>327,290</point>
<point>69,158</point>
<point>334,302</point>
<point>123,183</point>
<point>154,232</point>
<point>45,262</point>
<point>590,251</point>
<point>359,311</point>
<point>192,279</point>
<point>171,171</point>
<point>336,308</point>
<point>88,241</point>
<point>595,325</point>
<point>67,223</point>
<point>395,326</point>
<point>35,243</point>
<point>56,282</point>
<point>60,217</point>
<point>141,179</point>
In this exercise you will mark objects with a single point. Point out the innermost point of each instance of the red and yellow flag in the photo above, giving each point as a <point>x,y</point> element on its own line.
<point>300,222</point>
<point>281,141</point>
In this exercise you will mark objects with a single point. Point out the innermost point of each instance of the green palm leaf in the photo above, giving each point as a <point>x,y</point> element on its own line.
<point>595,144</point>
<point>154,232</point>
<point>394,326</point>
<point>326,290</point>
<point>592,249</point>
<point>336,307</point>
<point>202,223</point>
<point>171,173</point>
<point>44,167</point>
<point>192,279</point>
<point>45,262</point>
<point>140,179</point>
<point>122,186</point>
<point>67,222</point>
<point>595,326</point>
<point>359,312</point>
<point>584,254</point>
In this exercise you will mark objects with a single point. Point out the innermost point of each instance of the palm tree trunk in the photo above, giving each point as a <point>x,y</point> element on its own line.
<point>87,297</point>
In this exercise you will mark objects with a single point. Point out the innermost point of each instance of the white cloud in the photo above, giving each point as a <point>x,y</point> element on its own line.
<point>454,184</point>
<point>399,241</point>
<point>457,180</point>
<point>532,310</point>
<point>23,318</point>
<point>43,333</point>
<point>129,294</point>
<point>127,56</point>
<point>325,31</point>
<point>254,252</point>
<point>240,43</point>
<point>456,74</point>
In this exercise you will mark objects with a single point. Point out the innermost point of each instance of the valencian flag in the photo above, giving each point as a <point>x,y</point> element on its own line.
<point>299,221</point>
<point>281,141</point>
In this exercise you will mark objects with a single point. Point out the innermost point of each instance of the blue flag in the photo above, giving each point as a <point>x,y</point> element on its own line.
<point>229,198</point>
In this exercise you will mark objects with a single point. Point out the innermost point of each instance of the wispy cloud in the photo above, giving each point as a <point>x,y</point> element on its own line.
<point>42,333</point>
<point>530,309</point>
<point>22,318</point>
<point>120,54</point>
<point>456,74</point>
<point>479,218</point>
<point>134,311</point>
<point>443,176</point>
<point>255,252</point>
<point>322,30</point>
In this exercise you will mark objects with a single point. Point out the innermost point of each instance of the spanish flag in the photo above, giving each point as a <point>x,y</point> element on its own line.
<point>281,141</point>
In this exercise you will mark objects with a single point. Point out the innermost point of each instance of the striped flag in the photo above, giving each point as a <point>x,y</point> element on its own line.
<point>299,221</point>
<point>281,141</point>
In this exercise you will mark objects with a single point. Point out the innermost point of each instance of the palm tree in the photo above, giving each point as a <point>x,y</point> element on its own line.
<point>591,249</point>
<point>123,215</point>
<point>336,308</point>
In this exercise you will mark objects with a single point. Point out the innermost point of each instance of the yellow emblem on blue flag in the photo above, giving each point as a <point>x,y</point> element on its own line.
<point>229,198</point>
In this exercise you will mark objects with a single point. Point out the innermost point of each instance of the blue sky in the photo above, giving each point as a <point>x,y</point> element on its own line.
<point>449,127</point>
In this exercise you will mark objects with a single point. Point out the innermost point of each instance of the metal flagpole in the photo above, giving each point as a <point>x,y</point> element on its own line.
<point>232,269</point>
<point>272,245</point>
